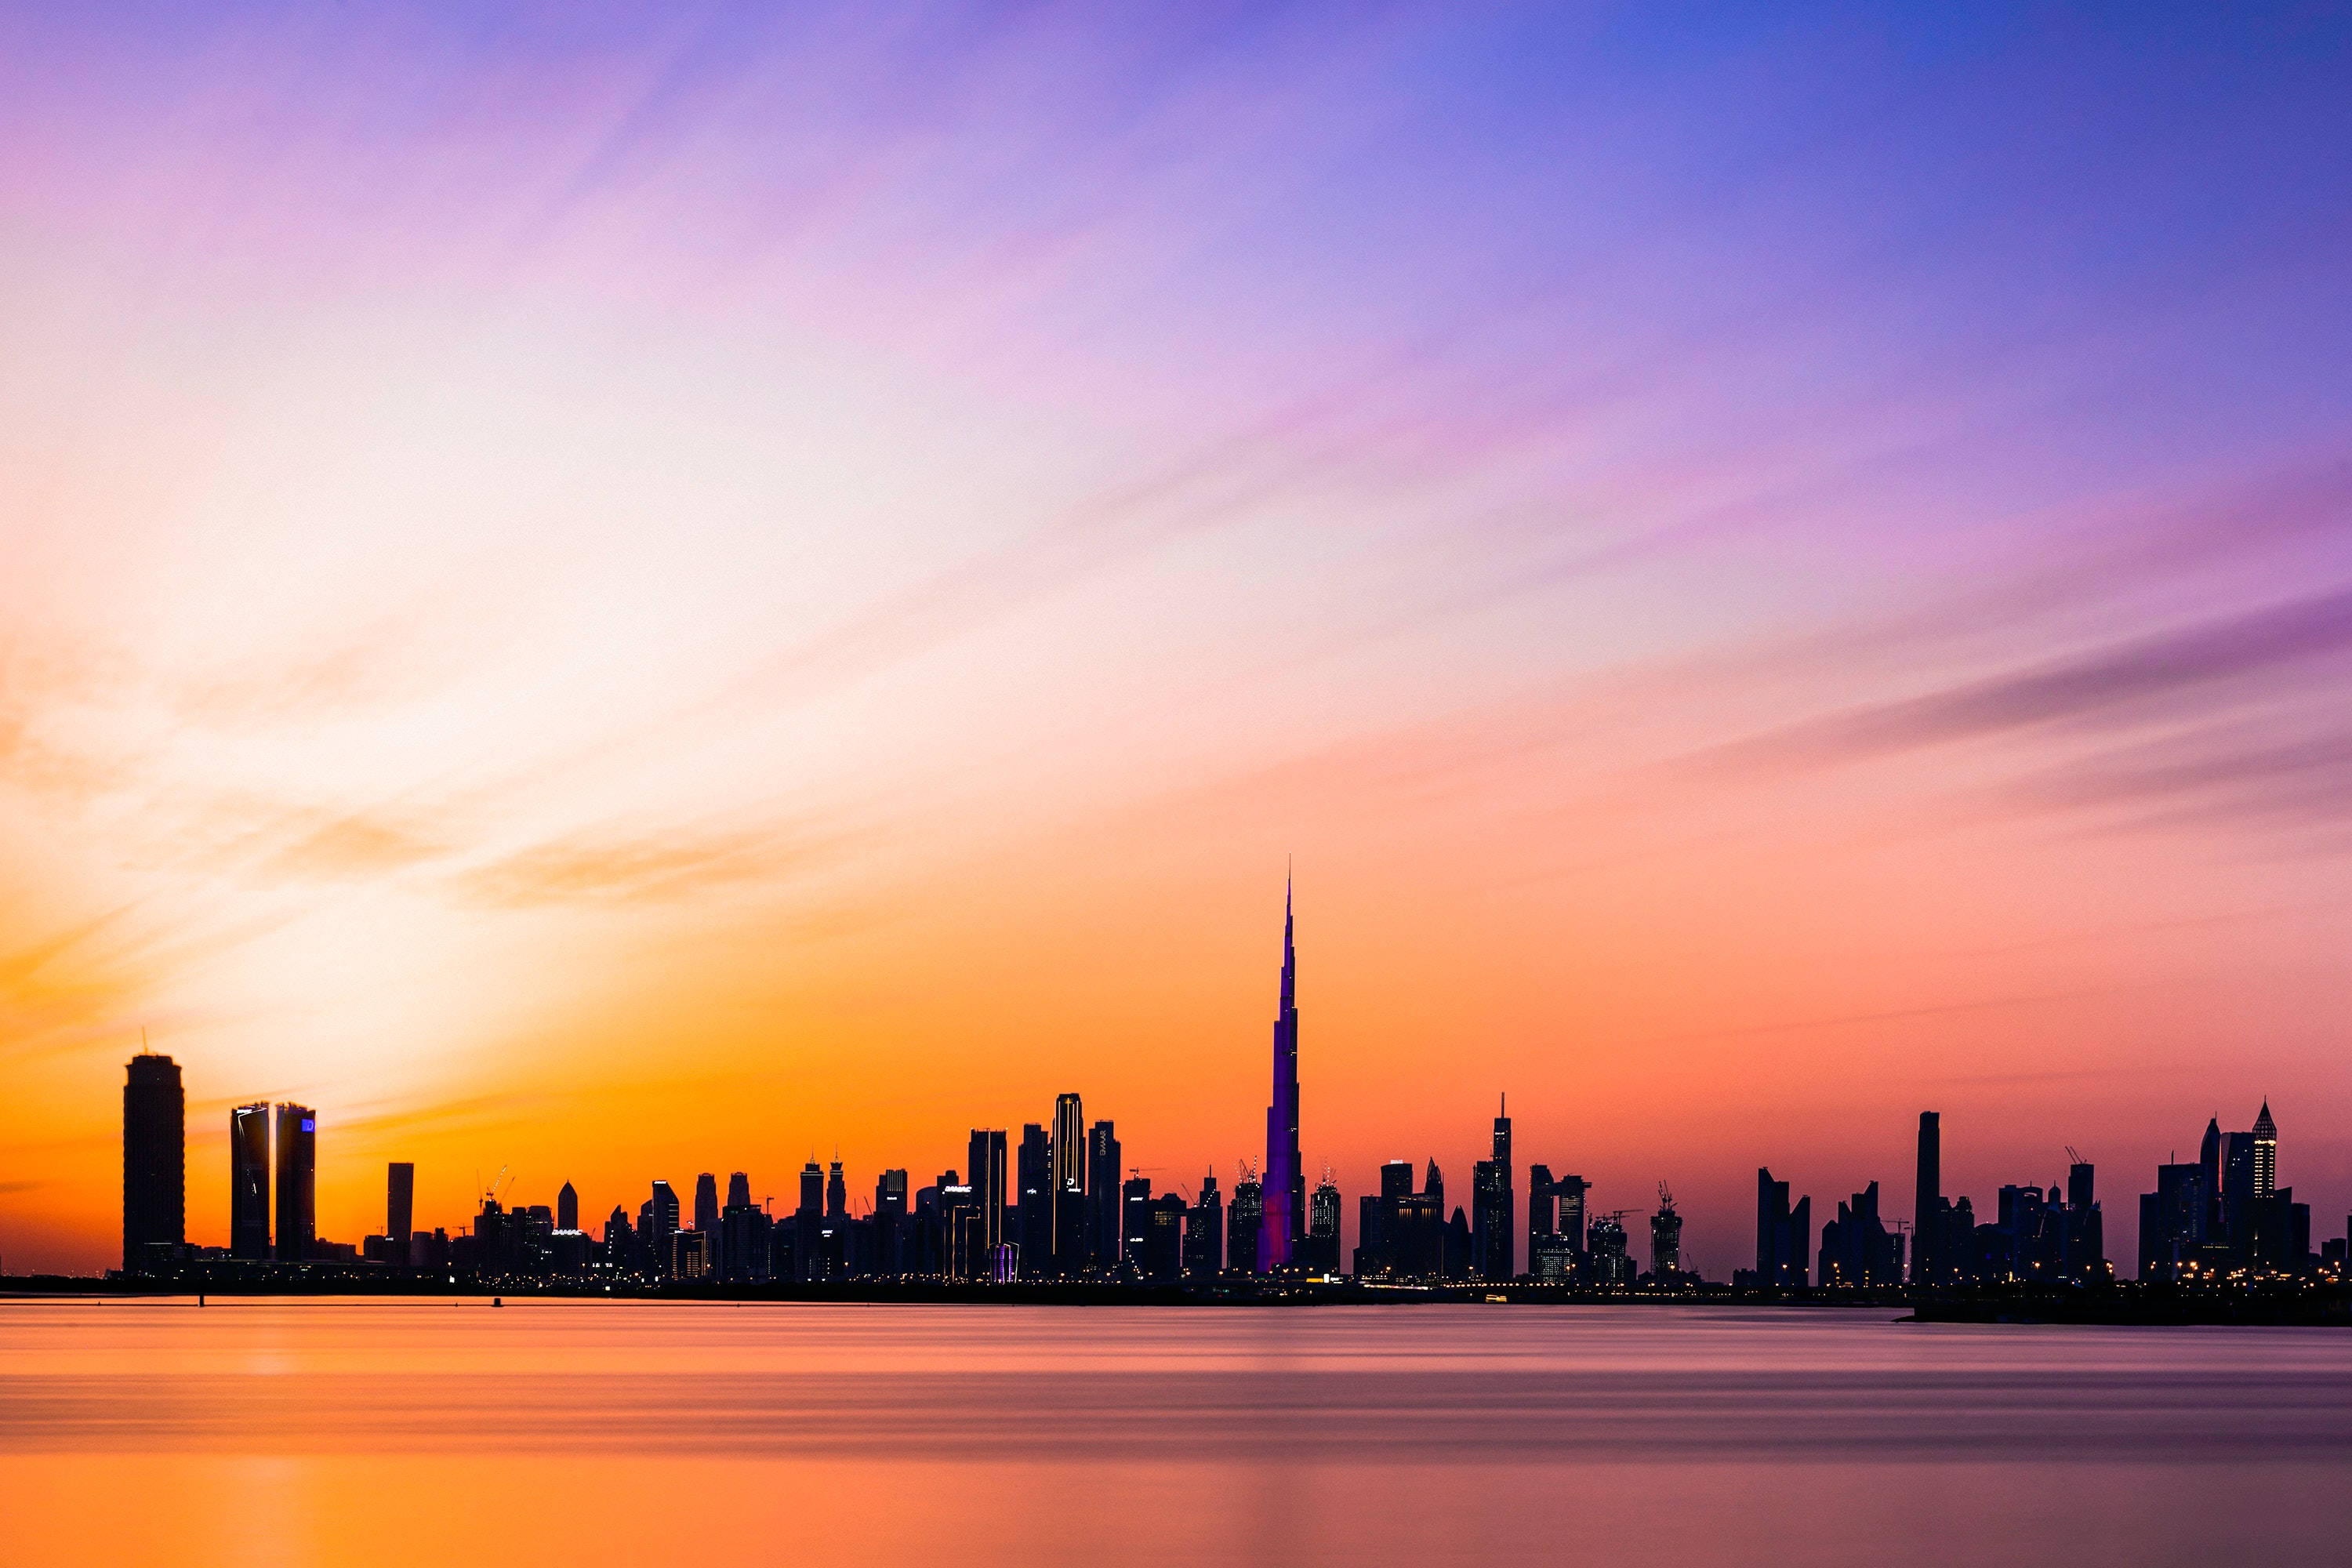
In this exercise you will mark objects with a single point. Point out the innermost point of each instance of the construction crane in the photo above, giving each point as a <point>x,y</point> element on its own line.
<point>1666,1197</point>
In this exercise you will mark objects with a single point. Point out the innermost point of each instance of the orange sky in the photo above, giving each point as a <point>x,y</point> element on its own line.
<point>614,611</point>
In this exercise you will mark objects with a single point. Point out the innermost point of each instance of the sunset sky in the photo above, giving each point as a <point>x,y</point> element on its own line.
<point>618,592</point>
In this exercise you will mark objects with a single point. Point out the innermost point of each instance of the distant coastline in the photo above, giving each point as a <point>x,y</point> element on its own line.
<point>2284,1302</point>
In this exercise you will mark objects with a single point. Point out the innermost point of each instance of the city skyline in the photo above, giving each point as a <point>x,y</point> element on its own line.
<point>611,593</point>
<point>1070,1209</point>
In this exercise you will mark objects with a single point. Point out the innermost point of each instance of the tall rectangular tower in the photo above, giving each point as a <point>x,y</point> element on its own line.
<point>1102,1195</point>
<point>984,1173</point>
<point>1069,1194</point>
<point>298,1182</point>
<point>154,1159</point>
<point>1927,1219</point>
<point>249,1182</point>
<point>400,1202</point>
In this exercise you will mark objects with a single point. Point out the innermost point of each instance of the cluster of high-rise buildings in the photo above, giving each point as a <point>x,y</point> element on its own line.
<point>1055,1205</point>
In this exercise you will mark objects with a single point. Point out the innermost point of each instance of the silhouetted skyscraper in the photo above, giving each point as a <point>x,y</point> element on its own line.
<point>1102,1195</point>
<point>1320,1246</point>
<point>400,1201</point>
<point>2266,1153</point>
<point>154,1159</point>
<point>249,1176</point>
<point>1928,1191</point>
<point>1244,1220</point>
<point>1493,1225</point>
<point>1784,1236</point>
<point>1204,1231</point>
<point>657,1221</point>
<point>706,1202</point>
<point>567,1207</point>
<point>1665,1237</point>
<point>837,1192</point>
<point>298,1182</point>
<point>1033,1174</point>
<point>1285,1184</point>
<point>984,1169</point>
<point>2172,1220</point>
<point>1069,1192</point>
<point>738,1192</point>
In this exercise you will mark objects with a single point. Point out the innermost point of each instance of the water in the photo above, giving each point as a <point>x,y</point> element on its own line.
<point>263,1432</point>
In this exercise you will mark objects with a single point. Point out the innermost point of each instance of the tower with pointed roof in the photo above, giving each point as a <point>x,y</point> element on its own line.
<point>1286,1175</point>
<point>2266,1153</point>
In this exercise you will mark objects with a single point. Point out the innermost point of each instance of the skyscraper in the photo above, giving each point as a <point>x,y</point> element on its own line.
<point>1492,1232</point>
<point>1286,1178</point>
<point>1204,1231</point>
<point>567,1207</point>
<point>249,1182</point>
<point>1784,1236</point>
<point>1033,1174</point>
<point>154,1159</point>
<point>1321,1243</point>
<point>400,1203</point>
<point>657,1222</point>
<point>1069,1184</point>
<point>706,1202</point>
<point>984,1171</point>
<point>1928,1191</point>
<point>298,1182</point>
<point>1244,1220</point>
<point>2266,1153</point>
<point>738,1192</point>
<point>1665,1236</point>
<point>1102,1196</point>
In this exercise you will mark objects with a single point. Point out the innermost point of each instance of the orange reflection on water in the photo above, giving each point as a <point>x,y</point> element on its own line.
<point>257,1432</point>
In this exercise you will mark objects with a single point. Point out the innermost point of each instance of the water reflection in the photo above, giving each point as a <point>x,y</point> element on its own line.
<point>562,1432</point>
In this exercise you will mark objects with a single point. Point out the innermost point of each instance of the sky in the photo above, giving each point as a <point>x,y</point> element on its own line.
<point>611,592</point>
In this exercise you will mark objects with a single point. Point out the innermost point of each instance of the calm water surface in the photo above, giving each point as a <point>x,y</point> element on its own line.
<point>257,1433</point>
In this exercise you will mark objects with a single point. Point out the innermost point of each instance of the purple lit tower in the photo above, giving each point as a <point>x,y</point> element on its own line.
<point>1285,1176</point>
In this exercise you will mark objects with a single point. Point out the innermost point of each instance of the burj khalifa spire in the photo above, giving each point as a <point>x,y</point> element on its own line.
<point>1286,1175</point>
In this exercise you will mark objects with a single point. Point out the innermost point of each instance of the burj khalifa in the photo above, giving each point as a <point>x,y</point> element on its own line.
<point>1285,1176</point>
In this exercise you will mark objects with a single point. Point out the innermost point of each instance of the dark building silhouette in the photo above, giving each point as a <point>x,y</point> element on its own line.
<point>1204,1231</point>
<point>1103,1227</point>
<point>298,1182</point>
<point>706,1202</point>
<point>1320,1246</point>
<point>657,1221</point>
<point>984,1161</point>
<point>249,1175</point>
<point>808,1222</point>
<point>1243,1222</point>
<point>1285,1185</point>
<point>1784,1236</point>
<point>1665,1236</point>
<point>400,1201</point>
<point>1493,1225</point>
<point>1135,1221</point>
<point>1606,1262</point>
<point>837,1192</point>
<point>1457,1246</point>
<point>154,1163</point>
<point>890,1218</point>
<point>1857,1249</point>
<point>1567,1197</point>
<point>1163,1247</point>
<point>1378,1227</point>
<point>1034,1175</point>
<point>1069,1151</point>
<point>1420,1240</point>
<point>1927,1195</point>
